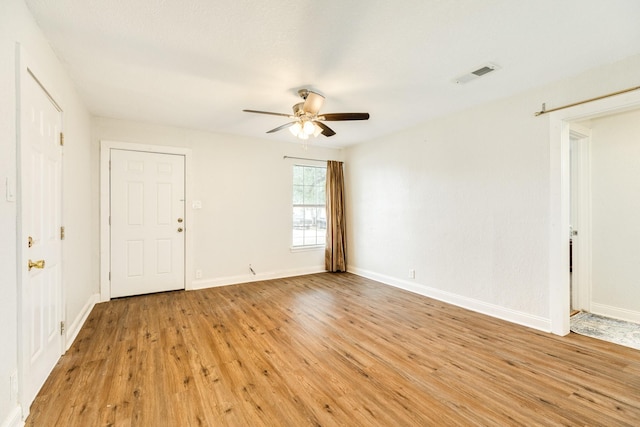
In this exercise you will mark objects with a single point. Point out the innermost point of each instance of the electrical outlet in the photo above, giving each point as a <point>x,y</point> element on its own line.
<point>198,274</point>
<point>197,204</point>
<point>412,274</point>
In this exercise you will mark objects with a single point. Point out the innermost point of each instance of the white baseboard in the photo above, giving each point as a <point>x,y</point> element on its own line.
<point>513,316</point>
<point>247,278</point>
<point>14,418</point>
<point>74,328</point>
<point>615,312</point>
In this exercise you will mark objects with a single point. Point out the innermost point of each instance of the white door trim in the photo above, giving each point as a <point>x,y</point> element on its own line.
<point>559,128</point>
<point>581,274</point>
<point>105,249</point>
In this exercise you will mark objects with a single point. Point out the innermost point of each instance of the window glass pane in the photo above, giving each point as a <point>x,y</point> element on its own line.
<point>310,215</point>
<point>321,236</point>
<point>321,174</point>
<point>322,197</point>
<point>309,175</point>
<point>298,194</point>
<point>309,211</point>
<point>298,217</point>
<point>298,176</point>
<point>310,237</point>
<point>321,179</point>
<point>298,238</point>
<point>321,219</point>
<point>310,195</point>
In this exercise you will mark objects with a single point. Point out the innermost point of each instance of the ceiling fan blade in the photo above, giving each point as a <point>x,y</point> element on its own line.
<point>313,103</point>
<point>284,126</point>
<point>343,116</point>
<point>326,130</point>
<point>270,113</point>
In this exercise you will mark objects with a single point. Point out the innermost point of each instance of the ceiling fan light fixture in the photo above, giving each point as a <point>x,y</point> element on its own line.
<point>317,130</point>
<point>295,129</point>
<point>308,128</point>
<point>303,129</point>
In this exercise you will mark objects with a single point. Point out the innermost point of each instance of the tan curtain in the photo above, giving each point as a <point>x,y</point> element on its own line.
<point>335,256</point>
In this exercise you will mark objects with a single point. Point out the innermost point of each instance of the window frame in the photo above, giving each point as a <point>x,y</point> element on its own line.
<point>307,247</point>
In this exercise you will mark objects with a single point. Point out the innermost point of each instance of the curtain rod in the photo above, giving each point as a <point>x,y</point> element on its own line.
<point>545,111</point>
<point>303,158</point>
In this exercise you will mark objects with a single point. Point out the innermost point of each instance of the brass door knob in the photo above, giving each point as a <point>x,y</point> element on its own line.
<point>180,230</point>
<point>36,264</point>
<point>180,219</point>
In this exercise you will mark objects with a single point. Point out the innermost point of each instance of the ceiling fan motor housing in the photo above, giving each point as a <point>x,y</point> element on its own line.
<point>303,93</point>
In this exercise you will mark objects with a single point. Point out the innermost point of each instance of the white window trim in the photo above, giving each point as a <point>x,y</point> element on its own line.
<point>306,248</point>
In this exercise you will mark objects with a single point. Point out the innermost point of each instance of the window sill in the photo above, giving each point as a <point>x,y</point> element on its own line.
<point>306,248</point>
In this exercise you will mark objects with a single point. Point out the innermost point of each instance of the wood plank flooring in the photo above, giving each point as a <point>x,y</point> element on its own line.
<point>328,350</point>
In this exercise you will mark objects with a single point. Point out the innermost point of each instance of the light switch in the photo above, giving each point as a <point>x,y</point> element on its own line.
<point>197,204</point>
<point>10,190</point>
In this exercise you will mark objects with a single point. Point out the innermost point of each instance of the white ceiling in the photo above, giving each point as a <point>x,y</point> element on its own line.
<point>198,63</point>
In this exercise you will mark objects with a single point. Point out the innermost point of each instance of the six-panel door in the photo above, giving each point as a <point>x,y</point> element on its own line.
<point>147,222</point>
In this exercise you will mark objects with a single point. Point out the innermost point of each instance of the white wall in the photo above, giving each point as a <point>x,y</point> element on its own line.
<point>80,275</point>
<point>615,180</point>
<point>8,285</point>
<point>465,201</point>
<point>245,188</point>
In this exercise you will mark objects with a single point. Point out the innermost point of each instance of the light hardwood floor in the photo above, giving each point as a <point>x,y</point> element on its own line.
<point>328,350</point>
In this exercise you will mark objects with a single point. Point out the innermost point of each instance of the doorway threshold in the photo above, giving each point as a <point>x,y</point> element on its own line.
<point>607,329</point>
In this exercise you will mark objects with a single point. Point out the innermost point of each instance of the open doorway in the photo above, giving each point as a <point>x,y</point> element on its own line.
<point>560,205</point>
<point>604,231</point>
<point>604,207</point>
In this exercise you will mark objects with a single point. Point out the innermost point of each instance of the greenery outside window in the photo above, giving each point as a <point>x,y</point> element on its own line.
<point>309,206</point>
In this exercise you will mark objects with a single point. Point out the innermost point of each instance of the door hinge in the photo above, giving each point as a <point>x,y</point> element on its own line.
<point>109,276</point>
<point>62,233</point>
<point>62,139</point>
<point>62,327</point>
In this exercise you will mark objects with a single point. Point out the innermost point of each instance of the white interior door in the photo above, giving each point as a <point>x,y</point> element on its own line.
<point>39,245</point>
<point>147,222</point>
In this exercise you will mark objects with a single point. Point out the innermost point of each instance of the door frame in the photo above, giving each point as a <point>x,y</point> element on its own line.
<point>105,207</point>
<point>28,68</point>
<point>560,197</point>
<point>581,269</point>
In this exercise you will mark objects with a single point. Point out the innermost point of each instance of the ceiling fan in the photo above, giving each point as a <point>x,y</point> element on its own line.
<point>307,120</point>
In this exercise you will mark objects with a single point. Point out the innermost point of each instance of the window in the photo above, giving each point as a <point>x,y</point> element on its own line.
<point>309,206</point>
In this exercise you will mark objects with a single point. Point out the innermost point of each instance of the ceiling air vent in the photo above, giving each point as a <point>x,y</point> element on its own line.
<point>482,71</point>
